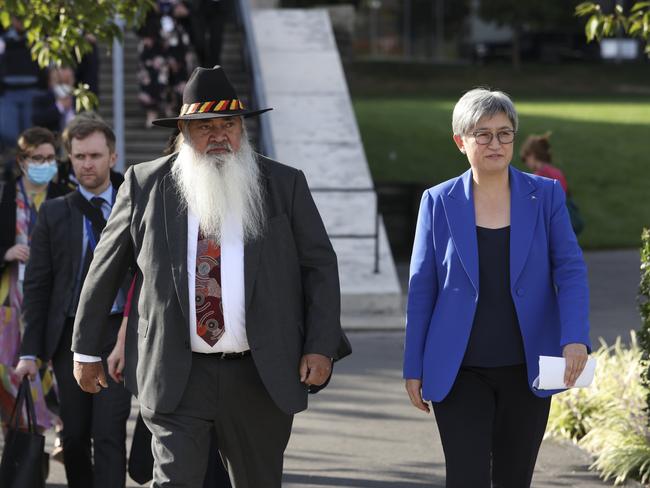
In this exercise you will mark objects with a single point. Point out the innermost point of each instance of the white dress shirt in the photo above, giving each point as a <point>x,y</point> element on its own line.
<point>232,288</point>
<point>234,338</point>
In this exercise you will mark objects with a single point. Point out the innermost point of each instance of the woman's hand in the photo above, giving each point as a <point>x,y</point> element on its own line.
<point>576,359</point>
<point>18,252</point>
<point>414,389</point>
<point>116,359</point>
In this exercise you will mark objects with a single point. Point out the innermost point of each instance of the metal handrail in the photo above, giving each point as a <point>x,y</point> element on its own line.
<point>374,235</point>
<point>251,58</point>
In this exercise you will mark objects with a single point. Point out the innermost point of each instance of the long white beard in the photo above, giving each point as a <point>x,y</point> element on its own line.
<point>221,188</point>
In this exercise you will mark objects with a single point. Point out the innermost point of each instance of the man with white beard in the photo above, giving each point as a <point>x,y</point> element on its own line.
<point>237,295</point>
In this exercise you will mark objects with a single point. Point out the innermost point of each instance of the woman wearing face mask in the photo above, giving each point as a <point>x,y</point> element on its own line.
<point>20,199</point>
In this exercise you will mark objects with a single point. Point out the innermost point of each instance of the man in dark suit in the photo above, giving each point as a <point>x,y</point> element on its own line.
<point>237,291</point>
<point>66,233</point>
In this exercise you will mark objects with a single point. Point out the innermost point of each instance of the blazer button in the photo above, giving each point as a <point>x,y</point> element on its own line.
<point>520,292</point>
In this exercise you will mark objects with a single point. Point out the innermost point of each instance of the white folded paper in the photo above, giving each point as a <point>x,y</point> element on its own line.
<point>551,374</point>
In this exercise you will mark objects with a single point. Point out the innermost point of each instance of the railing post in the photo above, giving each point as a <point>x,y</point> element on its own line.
<point>376,233</point>
<point>118,98</point>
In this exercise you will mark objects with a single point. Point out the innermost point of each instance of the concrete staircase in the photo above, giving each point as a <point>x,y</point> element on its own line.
<point>142,144</point>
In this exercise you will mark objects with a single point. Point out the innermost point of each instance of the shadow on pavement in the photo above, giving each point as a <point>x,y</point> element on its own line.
<point>314,481</point>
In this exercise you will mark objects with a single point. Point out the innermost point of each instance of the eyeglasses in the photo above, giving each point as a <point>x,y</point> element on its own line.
<point>38,159</point>
<point>484,137</point>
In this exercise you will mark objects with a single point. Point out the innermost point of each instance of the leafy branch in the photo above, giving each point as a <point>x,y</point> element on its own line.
<point>600,25</point>
<point>61,32</point>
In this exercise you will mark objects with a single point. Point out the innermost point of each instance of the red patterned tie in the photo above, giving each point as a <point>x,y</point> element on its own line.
<point>209,309</point>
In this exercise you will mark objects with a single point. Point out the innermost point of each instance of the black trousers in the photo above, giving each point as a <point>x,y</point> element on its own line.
<point>491,426</point>
<point>252,432</point>
<point>94,426</point>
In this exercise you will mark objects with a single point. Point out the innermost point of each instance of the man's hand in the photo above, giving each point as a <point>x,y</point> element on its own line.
<point>576,359</point>
<point>26,367</point>
<point>90,376</point>
<point>18,252</point>
<point>414,389</point>
<point>315,369</point>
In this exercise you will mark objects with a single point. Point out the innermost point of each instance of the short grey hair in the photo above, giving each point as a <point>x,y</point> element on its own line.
<point>479,103</point>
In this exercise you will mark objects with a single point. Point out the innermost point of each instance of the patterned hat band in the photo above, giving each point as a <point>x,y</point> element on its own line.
<point>214,106</point>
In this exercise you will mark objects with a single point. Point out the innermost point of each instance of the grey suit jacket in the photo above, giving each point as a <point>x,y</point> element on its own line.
<point>292,295</point>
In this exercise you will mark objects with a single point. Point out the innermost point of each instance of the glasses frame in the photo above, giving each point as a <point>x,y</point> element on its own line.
<point>510,131</point>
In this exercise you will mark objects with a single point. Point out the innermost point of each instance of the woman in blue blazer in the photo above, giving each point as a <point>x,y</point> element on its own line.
<point>496,279</point>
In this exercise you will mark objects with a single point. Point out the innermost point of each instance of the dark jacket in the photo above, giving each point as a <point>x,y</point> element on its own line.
<point>292,297</point>
<point>51,275</point>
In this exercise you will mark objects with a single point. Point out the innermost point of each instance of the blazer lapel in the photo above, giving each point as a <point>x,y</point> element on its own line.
<point>459,208</point>
<point>253,249</point>
<point>524,209</point>
<point>176,234</point>
<point>75,236</point>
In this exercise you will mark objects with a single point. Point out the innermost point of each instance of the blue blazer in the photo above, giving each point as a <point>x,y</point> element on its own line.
<point>548,279</point>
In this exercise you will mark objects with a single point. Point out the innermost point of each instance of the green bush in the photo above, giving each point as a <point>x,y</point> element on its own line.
<point>608,419</point>
<point>644,308</point>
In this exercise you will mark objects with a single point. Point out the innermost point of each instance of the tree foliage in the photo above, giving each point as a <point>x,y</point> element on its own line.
<point>58,30</point>
<point>600,25</point>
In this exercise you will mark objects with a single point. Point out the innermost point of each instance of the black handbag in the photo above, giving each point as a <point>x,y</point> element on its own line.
<point>22,459</point>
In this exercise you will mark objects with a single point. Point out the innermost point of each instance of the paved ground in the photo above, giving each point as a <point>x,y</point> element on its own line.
<point>362,432</point>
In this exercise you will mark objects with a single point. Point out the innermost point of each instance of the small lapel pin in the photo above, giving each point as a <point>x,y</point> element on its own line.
<point>533,197</point>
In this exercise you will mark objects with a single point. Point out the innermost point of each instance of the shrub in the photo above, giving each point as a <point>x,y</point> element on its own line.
<point>644,308</point>
<point>608,419</point>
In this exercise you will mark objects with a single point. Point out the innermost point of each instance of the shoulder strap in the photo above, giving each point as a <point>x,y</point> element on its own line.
<point>91,213</point>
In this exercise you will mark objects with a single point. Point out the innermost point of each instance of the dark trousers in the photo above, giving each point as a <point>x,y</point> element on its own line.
<point>491,426</point>
<point>252,432</point>
<point>94,426</point>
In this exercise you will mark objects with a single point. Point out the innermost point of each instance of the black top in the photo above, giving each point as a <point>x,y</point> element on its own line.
<point>495,339</point>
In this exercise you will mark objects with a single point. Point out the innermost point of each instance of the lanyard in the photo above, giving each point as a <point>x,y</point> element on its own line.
<point>32,210</point>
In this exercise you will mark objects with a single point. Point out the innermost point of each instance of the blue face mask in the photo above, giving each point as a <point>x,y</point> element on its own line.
<point>40,174</point>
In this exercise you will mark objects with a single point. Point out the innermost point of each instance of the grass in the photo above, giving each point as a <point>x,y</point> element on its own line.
<point>600,135</point>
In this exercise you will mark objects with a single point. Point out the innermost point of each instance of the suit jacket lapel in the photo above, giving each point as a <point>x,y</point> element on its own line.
<point>176,233</point>
<point>75,236</point>
<point>253,249</point>
<point>524,209</point>
<point>459,208</point>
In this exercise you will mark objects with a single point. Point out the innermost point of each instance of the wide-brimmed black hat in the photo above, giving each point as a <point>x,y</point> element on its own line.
<point>208,94</point>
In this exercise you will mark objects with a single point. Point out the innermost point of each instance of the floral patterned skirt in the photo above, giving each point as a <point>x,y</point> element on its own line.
<point>9,354</point>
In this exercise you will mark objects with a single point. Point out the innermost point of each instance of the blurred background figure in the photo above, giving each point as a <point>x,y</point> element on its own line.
<point>208,22</point>
<point>163,49</point>
<point>88,70</point>
<point>21,80</point>
<point>56,107</point>
<point>23,192</point>
<point>536,154</point>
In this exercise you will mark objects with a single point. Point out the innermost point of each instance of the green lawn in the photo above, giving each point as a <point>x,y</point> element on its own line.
<point>602,143</point>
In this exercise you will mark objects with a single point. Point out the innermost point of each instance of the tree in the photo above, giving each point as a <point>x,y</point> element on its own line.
<point>519,15</point>
<point>57,30</point>
<point>600,25</point>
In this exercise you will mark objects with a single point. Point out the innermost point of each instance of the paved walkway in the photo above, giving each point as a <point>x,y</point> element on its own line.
<point>362,432</point>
